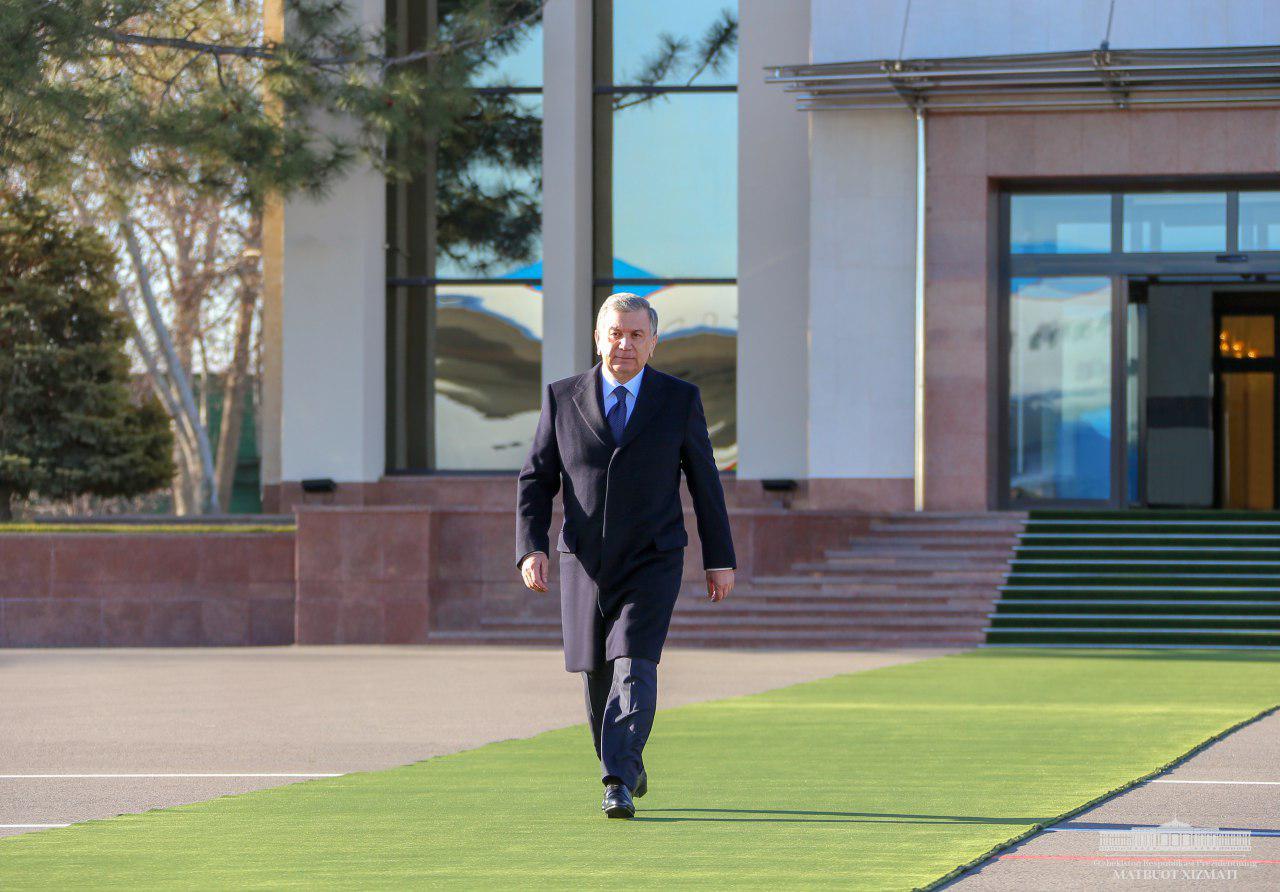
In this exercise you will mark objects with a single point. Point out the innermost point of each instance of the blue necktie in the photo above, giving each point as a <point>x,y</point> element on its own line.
<point>618,414</point>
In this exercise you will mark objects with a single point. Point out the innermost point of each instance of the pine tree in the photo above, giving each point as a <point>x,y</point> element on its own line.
<point>68,425</point>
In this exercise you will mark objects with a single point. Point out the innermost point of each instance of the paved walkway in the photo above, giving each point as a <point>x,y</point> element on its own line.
<point>1232,785</point>
<point>241,713</point>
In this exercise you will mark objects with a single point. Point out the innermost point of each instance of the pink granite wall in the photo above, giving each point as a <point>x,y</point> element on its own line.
<point>498,491</point>
<point>969,154</point>
<point>169,589</point>
<point>392,574</point>
<point>350,574</point>
<point>363,574</point>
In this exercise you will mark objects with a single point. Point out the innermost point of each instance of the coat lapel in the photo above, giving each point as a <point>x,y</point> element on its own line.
<point>648,400</point>
<point>590,403</point>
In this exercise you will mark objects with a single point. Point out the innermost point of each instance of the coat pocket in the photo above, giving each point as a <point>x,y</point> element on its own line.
<point>669,539</point>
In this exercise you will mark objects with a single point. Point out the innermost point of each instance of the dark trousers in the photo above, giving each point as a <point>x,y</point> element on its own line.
<point>621,701</point>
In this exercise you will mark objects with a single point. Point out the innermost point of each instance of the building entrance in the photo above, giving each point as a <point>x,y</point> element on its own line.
<point>1203,399</point>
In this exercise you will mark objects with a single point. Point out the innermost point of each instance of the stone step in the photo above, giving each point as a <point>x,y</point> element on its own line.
<point>905,572</point>
<point>824,639</point>
<point>734,638</point>
<point>972,621</point>
<point>807,600</point>
<point>790,639</point>
<point>1004,527</point>
<point>893,542</point>
<point>848,608</point>
<point>855,583</point>
<point>904,557</point>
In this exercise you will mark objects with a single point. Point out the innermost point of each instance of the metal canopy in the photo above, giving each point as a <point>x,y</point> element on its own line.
<point>1086,79</point>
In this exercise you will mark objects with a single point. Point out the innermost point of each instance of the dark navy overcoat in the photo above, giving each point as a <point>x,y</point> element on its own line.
<point>623,539</point>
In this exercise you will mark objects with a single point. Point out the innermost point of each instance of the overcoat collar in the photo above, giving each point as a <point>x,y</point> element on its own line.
<point>590,402</point>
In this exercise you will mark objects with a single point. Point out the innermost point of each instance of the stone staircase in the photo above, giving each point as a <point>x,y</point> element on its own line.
<point>1143,578</point>
<point>909,579</point>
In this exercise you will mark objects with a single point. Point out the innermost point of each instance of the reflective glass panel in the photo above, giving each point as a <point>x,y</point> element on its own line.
<point>488,369</point>
<point>1060,388</point>
<point>489,190</point>
<point>698,341</point>
<point>1181,221</point>
<point>675,186</point>
<point>1260,221</point>
<point>512,59</point>
<point>1060,224</point>
<point>644,31</point>
<point>1137,320</point>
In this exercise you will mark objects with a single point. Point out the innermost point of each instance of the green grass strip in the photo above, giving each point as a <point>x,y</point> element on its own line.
<point>888,779</point>
<point>147,528</point>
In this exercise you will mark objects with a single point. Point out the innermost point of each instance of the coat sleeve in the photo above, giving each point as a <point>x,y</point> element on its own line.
<point>703,479</point>
<point>537,485</point>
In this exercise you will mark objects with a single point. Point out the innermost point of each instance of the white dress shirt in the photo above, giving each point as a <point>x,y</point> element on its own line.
<point>608,384</point>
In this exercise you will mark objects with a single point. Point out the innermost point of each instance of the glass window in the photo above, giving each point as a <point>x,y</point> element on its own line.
<point>648,33</point>
<point>666,186</point>
<point>489,189</point>
<point>1134,336</point>
<point>514,59</point>
<point>698,341</point>
<point>1175,221</point>
<point>488,367</point>
<point>464,360</point>
<point>1260,221</point>
<point>1060,224</point>
<point>1060,388</point>
<point>675,186</point>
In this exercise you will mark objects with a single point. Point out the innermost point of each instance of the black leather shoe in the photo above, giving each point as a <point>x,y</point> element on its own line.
<point>617,802</point>
<point>642,784</point>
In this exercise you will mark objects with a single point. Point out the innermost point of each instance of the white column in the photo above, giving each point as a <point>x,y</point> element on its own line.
<point>862,309</point>
<point>333,374</point>
<point>773,245</point>
<point>566,189</point>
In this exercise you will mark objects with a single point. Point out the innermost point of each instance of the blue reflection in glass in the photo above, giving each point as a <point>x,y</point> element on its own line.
<point>675,185</point>
<point>638,28</point>
<point>1060,388</point>
<point>1178,221</point>
<point>1260,221</point>
<point>1060,224</point>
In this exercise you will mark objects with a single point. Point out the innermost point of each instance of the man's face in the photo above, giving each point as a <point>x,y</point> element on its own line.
<point>625,342</point>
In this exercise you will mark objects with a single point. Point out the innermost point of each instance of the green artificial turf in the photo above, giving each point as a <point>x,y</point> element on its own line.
<point>884,779</point>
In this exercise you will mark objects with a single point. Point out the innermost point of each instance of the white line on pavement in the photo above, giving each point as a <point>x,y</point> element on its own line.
<point>1171,780</point>
<point>25,826</point>
<point>204,774</point>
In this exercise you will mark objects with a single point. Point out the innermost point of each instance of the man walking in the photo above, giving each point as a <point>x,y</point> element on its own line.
<point>617,438</point>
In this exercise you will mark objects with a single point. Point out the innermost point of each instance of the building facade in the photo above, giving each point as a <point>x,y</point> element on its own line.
<point>917,255</point>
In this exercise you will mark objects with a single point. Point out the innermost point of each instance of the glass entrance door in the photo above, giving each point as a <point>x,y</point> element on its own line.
<point>1246,398</point>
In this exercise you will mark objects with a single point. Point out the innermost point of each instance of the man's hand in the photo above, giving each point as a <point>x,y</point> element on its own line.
<point>719,584</point>
<point>534,571</point>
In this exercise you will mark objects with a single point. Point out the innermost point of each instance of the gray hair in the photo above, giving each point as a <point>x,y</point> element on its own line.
<point>626,302</point>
